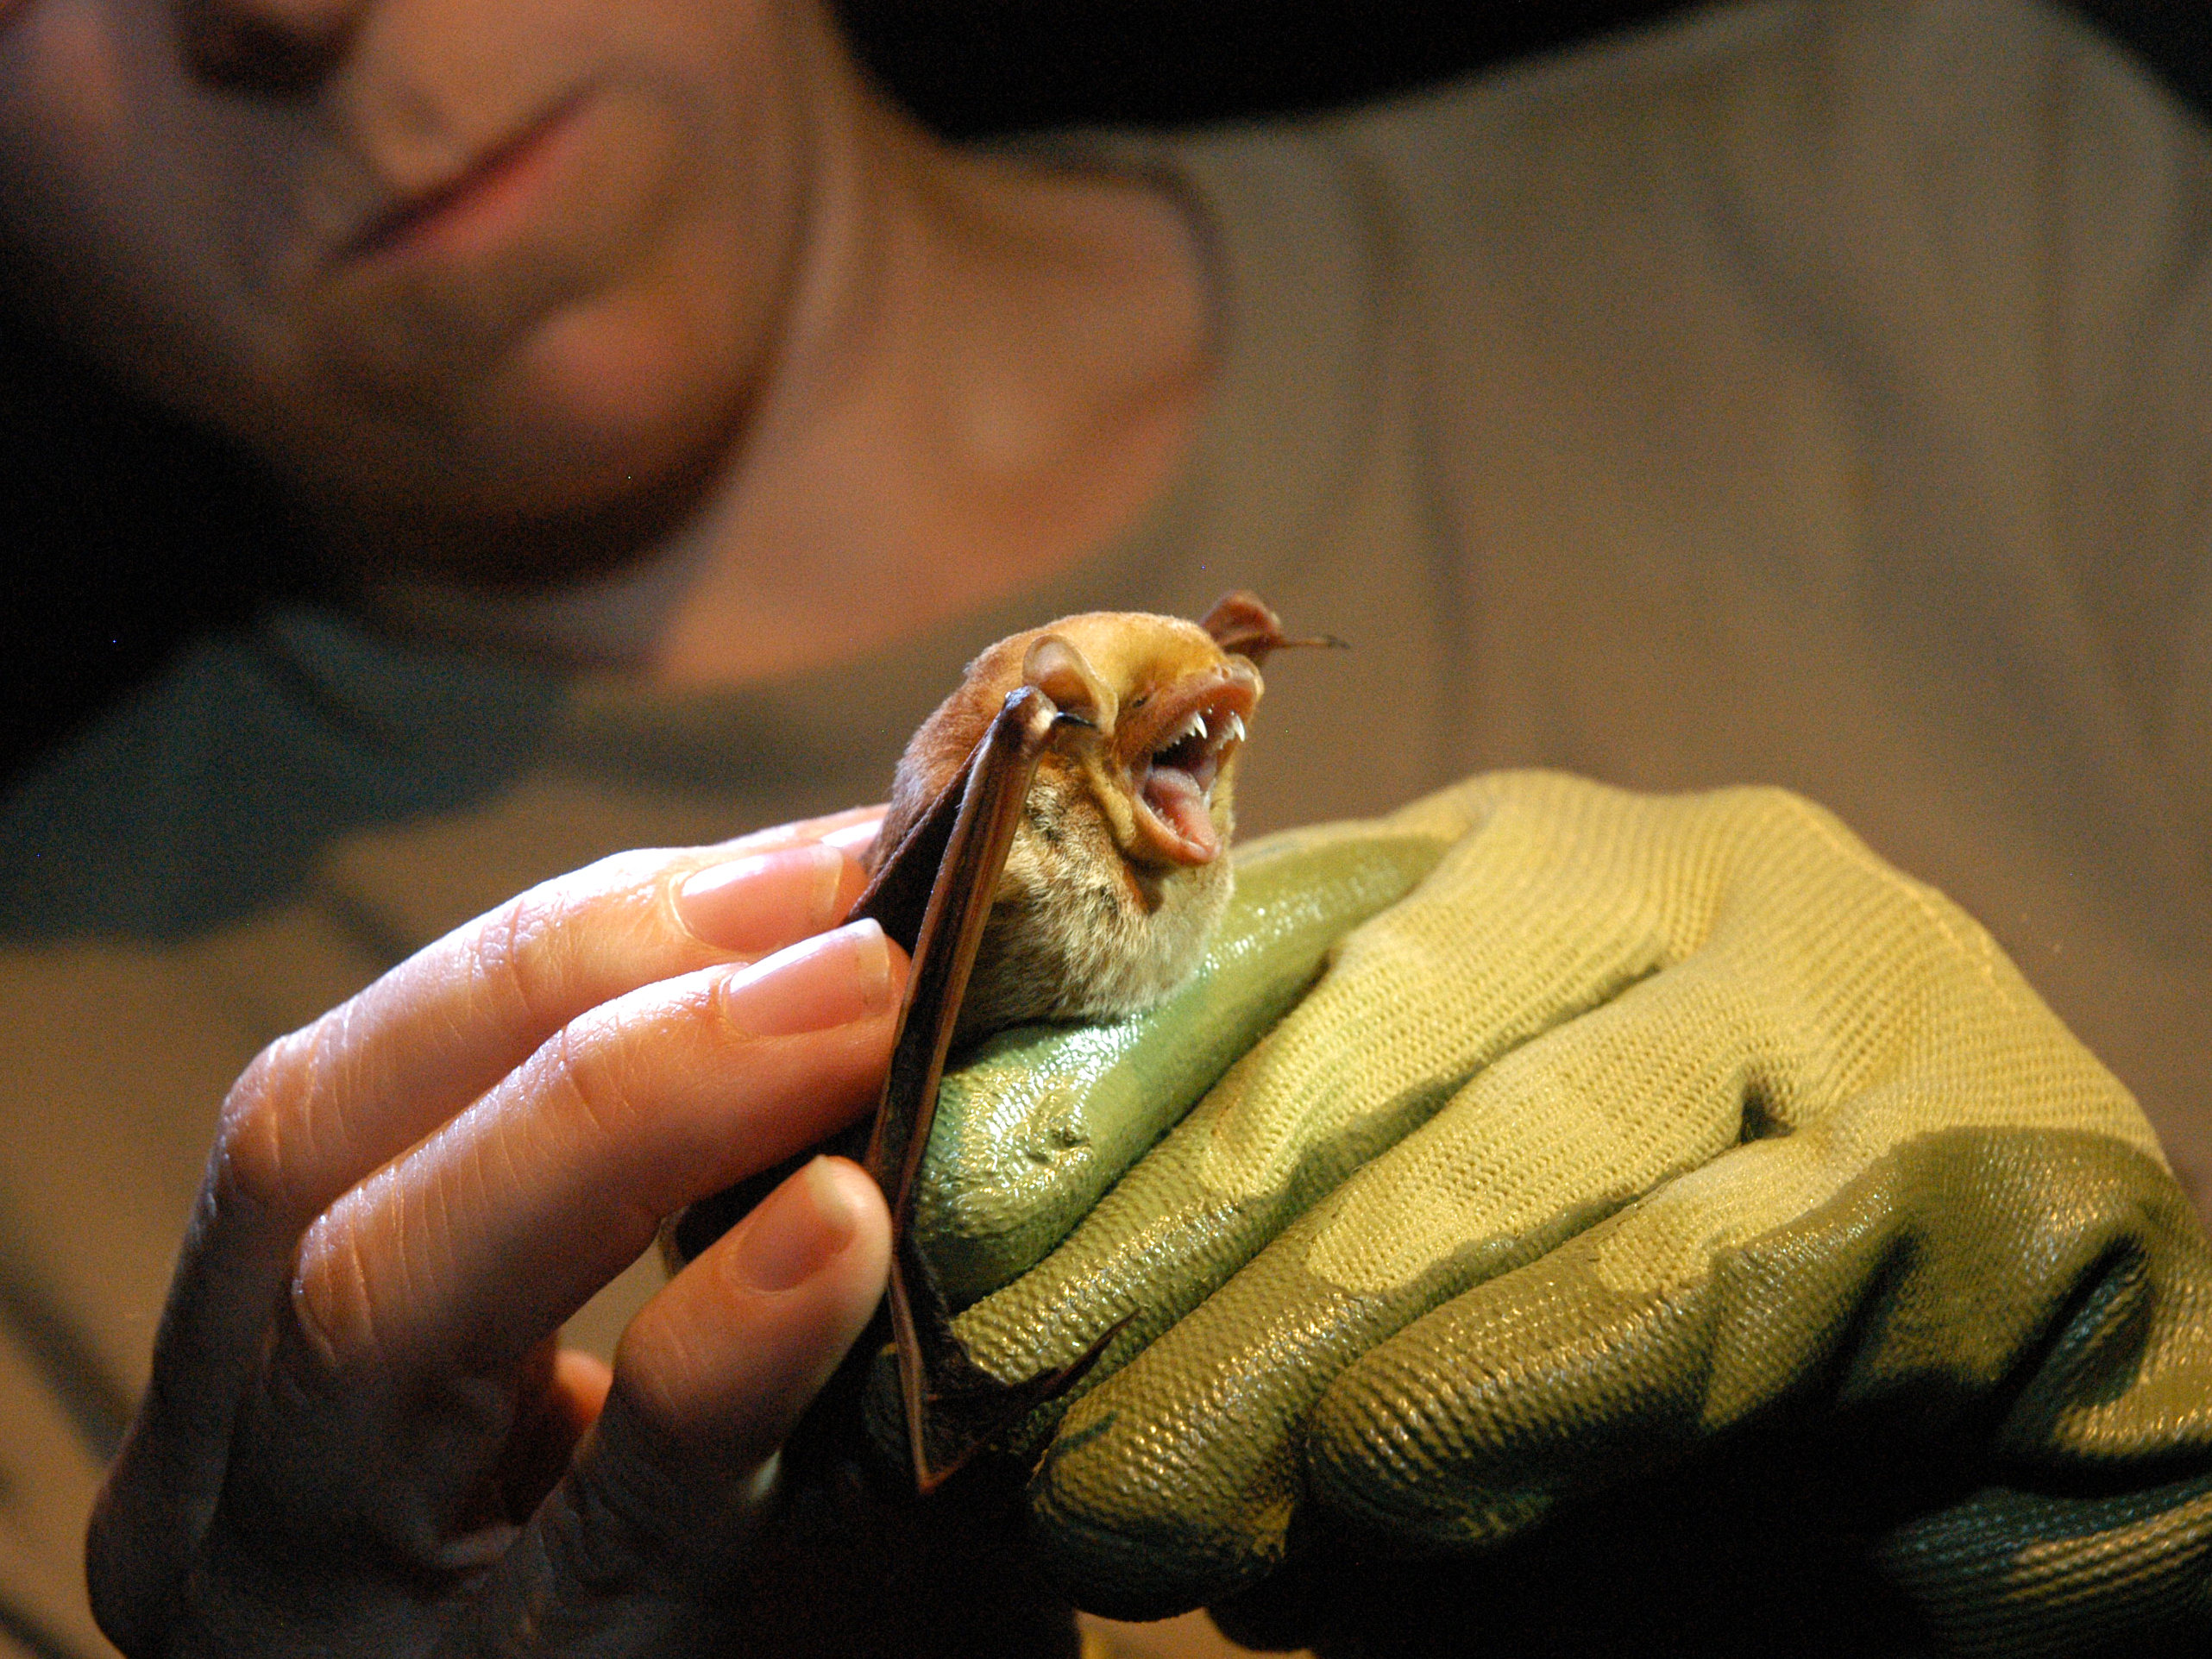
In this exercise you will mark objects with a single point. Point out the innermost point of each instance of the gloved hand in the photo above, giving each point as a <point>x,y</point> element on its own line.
<point>1640,1124</point>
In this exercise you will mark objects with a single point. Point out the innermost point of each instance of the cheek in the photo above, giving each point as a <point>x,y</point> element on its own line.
<point>61,77</point>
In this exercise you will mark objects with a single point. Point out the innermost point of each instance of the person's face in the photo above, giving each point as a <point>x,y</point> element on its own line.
<point>496,259</point>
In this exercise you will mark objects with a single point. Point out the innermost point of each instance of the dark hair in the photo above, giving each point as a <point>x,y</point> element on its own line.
<point>971,67</point>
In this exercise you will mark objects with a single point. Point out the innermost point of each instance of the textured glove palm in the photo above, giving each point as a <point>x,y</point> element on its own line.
<point>1636,1120</point>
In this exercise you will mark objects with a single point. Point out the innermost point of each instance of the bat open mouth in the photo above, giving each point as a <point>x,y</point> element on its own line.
<point>1178,744</point>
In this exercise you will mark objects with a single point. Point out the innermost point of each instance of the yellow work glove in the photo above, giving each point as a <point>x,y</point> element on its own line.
<point>1638,1125</point>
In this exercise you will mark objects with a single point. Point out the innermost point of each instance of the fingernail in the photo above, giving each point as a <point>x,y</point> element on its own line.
<point>798,1229</point>
<point>765,900</point>
<point>831,979</point>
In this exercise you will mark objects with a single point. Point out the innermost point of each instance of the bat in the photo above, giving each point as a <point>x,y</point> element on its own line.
<point>1113,877</point>
<point>1054,849</point>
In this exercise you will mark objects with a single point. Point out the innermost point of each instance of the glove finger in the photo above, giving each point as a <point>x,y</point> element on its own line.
<point>1506,939</point>
<point>2054,1270</point>
<point>2030,1574</point>
<point>1176,1481</point>
<point>1847,1061</point>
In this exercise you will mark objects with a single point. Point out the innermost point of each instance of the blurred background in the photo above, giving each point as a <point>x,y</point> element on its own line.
<point>130,533</point>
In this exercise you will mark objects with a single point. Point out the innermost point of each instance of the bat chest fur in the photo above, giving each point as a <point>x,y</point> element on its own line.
<point>1075,934</point>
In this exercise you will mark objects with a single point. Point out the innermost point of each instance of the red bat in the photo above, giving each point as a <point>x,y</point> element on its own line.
<point>1054,850</point>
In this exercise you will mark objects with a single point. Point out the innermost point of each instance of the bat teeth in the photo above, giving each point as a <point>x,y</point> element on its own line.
<point>1193,727</point>
<point>1210,728</point>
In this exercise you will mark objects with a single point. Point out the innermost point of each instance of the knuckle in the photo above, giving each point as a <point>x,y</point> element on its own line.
<point>263,1152</point>
<point>330,1308</point>
<point>611,1069</point>
<point>665,1384</point>
<point>143,1555</point>
<point>533,955</point>
<point>1773,798</point>
<point>595,1064</point>
<point>621,1515</point>
<point>650,1494</point>
<point>1769,809</point>
<point>521,956</point>
<point>613,1094</point>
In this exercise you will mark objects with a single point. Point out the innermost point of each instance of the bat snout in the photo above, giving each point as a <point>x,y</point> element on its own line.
<point>1176,749</point>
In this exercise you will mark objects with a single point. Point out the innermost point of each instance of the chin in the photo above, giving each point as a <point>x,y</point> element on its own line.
<point>626,387</point>
<point>1079,933</point>
<point>531,481</point>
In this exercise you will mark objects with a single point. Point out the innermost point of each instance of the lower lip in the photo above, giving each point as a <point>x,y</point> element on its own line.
<point>487,206</point>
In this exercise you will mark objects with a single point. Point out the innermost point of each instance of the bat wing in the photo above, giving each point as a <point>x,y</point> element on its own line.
<point>932,894</point>
<point>948,870</point>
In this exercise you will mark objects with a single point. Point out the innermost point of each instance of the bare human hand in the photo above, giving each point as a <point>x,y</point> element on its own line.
<point>361,1433</point>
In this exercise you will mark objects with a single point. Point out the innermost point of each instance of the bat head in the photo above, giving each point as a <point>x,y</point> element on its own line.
<point>1155,719</point>
<point>1117,873</point>
<point>1154,714</point>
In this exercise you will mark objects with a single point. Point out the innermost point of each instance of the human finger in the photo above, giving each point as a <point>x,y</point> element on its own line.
<point>551,1422</point>
<point>323,1107</point>
<point>460,1258</point>
<point>637,1546</point>
<point>634,1109</point>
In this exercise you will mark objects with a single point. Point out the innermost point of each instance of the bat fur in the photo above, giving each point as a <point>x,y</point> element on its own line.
<point>1116,875</point>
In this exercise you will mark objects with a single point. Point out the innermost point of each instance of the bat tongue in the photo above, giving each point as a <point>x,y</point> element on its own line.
<point>1179,803</point>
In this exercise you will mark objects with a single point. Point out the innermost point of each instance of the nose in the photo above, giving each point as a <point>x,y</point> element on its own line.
<point>275,47</point>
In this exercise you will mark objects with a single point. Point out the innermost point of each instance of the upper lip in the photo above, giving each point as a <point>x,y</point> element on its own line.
<point>1195,727</point>
<point>1165,719</point>
<point>411,206</point>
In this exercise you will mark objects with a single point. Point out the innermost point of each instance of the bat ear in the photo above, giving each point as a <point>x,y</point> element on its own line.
<point>1243,623</point>
<point>1056,668</point>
